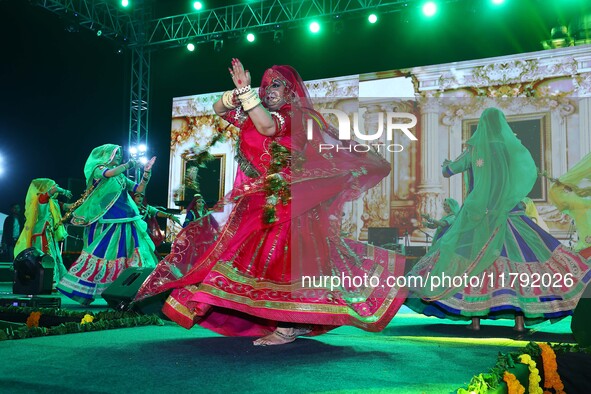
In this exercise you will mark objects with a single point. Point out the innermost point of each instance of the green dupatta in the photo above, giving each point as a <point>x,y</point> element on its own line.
<point>102,195</point>
<point>504,172</point>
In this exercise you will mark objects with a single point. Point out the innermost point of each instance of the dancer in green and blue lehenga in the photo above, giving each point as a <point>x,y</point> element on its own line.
<point>513,268</point>
<point>115,235</point>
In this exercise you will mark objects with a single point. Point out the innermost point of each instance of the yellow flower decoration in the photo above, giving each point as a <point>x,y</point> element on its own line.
<point>87,319</point>
<point>534,374</point>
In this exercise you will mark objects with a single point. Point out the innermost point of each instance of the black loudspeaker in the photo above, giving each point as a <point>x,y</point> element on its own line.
<point>380,236</point>
<point>581,321</point>
<point>33,272</point>
<point>120,294</point>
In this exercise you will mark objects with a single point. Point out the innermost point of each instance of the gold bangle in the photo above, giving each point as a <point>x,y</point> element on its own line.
<point>249,100</point>
<point>228,100</point>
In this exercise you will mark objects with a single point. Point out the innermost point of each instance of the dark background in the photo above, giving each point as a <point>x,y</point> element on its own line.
<point>62,94</point>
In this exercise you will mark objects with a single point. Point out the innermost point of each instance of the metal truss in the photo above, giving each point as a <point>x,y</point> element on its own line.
<point>127,27</point>
<point>139,99</point>
<point>105,16</point>
<point>209,25</point>
<point>142,34</point>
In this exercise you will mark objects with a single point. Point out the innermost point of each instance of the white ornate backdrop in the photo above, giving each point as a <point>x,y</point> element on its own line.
<point>553,86</point>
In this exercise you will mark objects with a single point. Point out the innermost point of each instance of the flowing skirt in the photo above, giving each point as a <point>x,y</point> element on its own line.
<point>256,276</point>
<point>534,275</point>
<point>109,249</point>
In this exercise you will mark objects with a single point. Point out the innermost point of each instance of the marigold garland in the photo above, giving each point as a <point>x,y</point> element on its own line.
<point>482,383</point>
<point>551,377</point>
<point>534,374</point>
<point>513,385</point>
<point>33,319</point>
<point>67,321</point>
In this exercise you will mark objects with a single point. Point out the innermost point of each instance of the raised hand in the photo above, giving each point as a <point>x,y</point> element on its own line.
<point>149,164</point>
<point>240,77</point>
<point>175,219</point>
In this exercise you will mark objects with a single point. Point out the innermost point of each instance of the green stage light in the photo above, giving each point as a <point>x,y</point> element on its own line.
<point>498,2</point>
<point>190,47</point>
<point>124,3</point>
<point>250,37</point>
<point>429,8</point>
<point>314,27</point>
<point>197,5</point>
<point>372,18</point>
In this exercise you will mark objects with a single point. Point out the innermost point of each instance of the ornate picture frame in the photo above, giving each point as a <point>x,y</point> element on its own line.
<point>210,177</point>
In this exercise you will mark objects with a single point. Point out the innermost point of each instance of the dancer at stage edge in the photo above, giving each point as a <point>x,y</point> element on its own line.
<point>115,236</point>
<point>198,209</point>
<point>514,269</point>
<point>571,194</point>
<point>200,230</point>
<point>43,226</point>
<point>284,226</point>
<point>150,214</point>
<point>451,209</point>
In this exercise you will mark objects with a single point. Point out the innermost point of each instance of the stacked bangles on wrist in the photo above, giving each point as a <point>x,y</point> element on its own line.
<point>248,98</point>
<point>228,99</point>
<point>242,90</point>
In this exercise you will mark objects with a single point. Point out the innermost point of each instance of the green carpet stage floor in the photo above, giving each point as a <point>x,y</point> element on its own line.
<point>414,354</point>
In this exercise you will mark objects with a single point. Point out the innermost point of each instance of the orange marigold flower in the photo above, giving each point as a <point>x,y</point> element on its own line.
<point>33,319</point>
<point>551,377</point>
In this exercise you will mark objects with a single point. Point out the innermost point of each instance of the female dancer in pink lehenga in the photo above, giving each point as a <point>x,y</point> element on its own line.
<point>273,270</point>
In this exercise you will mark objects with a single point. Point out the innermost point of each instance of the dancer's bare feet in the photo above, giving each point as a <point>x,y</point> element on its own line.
<point>475,325</point>
<point>519,324</point>
<point>281,336</point>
